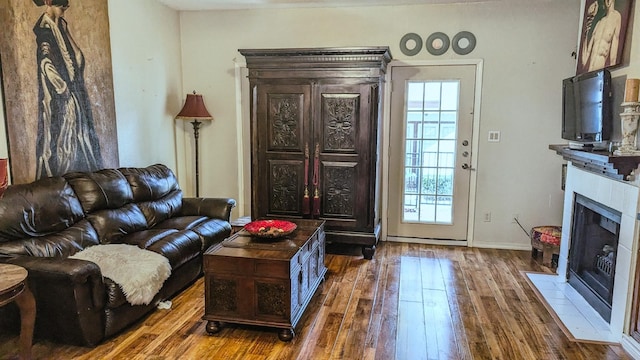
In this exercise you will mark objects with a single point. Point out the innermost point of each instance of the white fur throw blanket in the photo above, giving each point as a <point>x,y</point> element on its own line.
<point>140,273</point>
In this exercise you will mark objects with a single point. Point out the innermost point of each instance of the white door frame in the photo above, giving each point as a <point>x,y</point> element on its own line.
<point>243,138</point>
<point>386,127</point>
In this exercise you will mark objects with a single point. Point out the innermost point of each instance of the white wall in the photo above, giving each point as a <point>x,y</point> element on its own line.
<point>146,58</point>
<point>526,49</point>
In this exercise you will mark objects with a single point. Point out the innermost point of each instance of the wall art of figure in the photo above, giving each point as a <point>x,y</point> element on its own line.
<point>603,34</point>
<point>66,135</point>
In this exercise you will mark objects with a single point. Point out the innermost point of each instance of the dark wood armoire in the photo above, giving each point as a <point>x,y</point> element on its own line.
<point>315,138</point>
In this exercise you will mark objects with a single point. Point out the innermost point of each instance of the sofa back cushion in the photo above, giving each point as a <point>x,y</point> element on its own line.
<point>37,209</point>
<point>58,244</point>
<point>100,190</point>
<point>113,224</point>
<point>155,191</point>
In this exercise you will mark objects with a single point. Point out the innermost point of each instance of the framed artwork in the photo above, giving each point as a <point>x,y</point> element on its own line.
<point>604,27</point>
<point>58,87</point>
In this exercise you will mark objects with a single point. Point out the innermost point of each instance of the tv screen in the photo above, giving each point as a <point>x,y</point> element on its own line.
<point>586,107</point>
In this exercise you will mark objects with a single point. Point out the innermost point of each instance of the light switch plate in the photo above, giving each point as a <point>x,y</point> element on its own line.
<point>494,136</point>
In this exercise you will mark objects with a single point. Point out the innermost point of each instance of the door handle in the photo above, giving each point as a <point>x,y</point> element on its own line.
<point>466,166</point>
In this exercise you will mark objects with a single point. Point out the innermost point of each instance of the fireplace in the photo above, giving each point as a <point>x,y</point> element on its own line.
<point>592,255</point>
<point>622,196</point>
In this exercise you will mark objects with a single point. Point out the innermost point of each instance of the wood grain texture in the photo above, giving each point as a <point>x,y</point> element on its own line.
<point>409,302</point>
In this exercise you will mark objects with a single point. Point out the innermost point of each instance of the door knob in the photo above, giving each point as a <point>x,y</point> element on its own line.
<point>466,166</point>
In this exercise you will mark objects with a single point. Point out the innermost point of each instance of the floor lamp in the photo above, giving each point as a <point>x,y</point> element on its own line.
<point>195,110</point>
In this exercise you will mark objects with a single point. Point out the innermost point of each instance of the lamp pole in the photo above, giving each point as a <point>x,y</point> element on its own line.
<point>196,134</point>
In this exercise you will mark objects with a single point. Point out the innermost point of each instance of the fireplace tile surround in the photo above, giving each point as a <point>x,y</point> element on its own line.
<point>622,196</point>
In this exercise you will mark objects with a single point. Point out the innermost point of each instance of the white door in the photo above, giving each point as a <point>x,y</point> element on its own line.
<point>430,151</point>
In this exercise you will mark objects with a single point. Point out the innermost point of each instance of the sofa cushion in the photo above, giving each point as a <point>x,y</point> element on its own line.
<point>40,208</point>
<point>140,273</point>
<point>112,225</point>
<point>115,296</point>
<point>155,188</point>
<point>150,183</point>
<point>181,222</point>
<point>61,244</point>
<point>179,247</point>
<point>156,211</point>
<point>210,231</point>
<point>144,239</point>
<point>104,189</point>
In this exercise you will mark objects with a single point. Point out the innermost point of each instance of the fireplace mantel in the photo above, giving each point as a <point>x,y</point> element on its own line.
<point>618,167</point>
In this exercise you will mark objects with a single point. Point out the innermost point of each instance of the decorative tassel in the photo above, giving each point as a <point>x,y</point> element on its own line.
<point>316,182</point>
<point>306,202</point>
<point>306,208</point>
<point>316,204</point>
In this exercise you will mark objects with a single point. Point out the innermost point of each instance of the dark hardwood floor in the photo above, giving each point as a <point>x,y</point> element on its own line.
<point>409,302</point>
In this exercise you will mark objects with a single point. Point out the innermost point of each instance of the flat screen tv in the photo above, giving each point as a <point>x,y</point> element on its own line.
<point>586,108</point>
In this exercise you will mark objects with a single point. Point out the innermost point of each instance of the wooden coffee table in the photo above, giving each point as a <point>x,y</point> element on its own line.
<point>262,282</point>
<point>13,287</point>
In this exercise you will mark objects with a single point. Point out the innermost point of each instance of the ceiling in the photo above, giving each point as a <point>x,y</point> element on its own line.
<point>188,5</point>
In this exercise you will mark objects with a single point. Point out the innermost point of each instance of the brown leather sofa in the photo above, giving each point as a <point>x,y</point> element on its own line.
<point>45,222</point>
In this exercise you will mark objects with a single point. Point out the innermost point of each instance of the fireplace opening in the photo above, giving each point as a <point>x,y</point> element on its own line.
<point>592,254</point>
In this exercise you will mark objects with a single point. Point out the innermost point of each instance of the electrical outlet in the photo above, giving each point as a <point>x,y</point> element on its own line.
<point>494,136</point>
<point>487,217</point>
<point>515,218</point>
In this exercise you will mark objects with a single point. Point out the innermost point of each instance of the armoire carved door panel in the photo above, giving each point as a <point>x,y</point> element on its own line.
<point>284,121</point>
<point>340,121</point>
<point>342,128</point>
<point>339,189</point>
<point>284,179</point>
<point>282,135</point>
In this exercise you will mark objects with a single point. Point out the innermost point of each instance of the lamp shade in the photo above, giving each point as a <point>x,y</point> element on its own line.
<point>194,108</point>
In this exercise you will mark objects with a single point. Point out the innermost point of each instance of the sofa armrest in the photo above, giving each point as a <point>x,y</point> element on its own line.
<point>70,297</point>
<point>217,208</point>
<point>65,272</point>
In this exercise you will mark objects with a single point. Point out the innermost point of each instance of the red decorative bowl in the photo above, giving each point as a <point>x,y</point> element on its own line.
<point>270,228</point>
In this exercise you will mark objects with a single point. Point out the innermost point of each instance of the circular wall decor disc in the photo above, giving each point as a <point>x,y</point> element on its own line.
<point>437,43</point>
<point>408,38</point>
<point>463,43</point>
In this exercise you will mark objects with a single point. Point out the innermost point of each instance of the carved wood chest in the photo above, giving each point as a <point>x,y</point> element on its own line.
<point>264,282</point>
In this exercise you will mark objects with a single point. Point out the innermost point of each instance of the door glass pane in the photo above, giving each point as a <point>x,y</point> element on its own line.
<point>449,96</point>
<point>415,96</point>
<point>412,153</point>
<point>431,121</point>
<point>411,207</point>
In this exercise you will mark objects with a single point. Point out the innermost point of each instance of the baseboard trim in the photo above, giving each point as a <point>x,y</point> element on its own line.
<point>426,241</point>
<point>458,243</point>
<point>502,246</point>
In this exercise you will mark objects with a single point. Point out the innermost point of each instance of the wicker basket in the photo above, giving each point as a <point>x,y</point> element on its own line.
<point>547,240</point>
